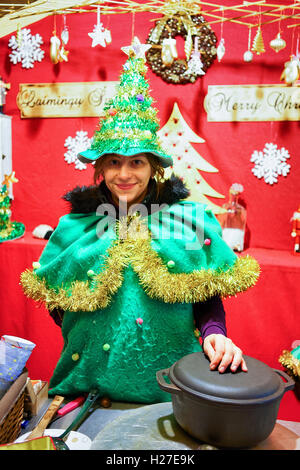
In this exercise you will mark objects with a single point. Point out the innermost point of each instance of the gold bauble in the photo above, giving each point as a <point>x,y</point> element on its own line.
<point>278,43</point>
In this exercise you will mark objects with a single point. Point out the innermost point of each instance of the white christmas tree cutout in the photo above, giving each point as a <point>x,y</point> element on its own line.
<point>77,144</point>
<point>270,163</point>
<point>26,48</point>
<point>176,137</point>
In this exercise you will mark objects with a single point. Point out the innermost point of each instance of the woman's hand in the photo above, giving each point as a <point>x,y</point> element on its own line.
<point>222,351</point>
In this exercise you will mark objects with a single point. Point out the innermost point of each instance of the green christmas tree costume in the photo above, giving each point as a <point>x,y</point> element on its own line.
<point>127,286</point>
<point>106,284</point>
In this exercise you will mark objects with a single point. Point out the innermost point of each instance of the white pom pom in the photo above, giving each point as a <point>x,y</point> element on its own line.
<point>41,230</point>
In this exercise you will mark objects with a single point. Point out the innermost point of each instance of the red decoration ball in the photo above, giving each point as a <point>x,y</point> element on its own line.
<point>207,241</point>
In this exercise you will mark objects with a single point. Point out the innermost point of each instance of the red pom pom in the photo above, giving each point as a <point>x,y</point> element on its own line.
<point>207,241</point>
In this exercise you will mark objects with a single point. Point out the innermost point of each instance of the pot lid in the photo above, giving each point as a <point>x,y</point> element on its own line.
<point>193,375</point>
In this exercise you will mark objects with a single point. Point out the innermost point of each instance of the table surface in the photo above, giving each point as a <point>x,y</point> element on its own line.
<point>285,435</point>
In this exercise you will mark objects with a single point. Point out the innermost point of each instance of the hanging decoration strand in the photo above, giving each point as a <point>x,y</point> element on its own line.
<point>132,26</point>
<point>240,14</point>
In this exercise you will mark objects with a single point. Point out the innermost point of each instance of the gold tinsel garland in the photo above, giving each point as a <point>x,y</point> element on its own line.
<point>291,363</point>
<point>153,274</point>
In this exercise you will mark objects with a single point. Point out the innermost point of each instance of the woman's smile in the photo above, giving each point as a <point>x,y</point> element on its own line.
<point>127,178</point>
<point>125,186</point>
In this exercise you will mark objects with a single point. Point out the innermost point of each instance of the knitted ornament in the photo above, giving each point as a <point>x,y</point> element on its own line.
<point>130,123</point>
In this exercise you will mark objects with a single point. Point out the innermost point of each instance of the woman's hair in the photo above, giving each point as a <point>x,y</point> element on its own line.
<point>158,170</point>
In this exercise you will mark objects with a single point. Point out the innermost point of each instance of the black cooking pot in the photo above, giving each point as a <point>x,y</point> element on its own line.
<point>230,410</point>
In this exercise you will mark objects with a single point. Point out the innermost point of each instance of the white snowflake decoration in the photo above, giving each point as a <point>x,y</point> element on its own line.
<point>270,163</point>
<point>26,48</point>
<point>75,145</point>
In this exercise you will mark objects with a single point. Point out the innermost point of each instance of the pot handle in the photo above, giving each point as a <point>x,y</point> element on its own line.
<point>290,383</point>
<point>170,388</point>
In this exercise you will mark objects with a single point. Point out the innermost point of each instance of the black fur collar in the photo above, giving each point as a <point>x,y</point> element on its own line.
<point>85,199</point>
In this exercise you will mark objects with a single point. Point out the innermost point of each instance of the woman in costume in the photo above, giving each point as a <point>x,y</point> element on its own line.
<point>135,272</point>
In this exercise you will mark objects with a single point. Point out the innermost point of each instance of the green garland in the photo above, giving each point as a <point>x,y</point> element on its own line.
<point>8,230</point>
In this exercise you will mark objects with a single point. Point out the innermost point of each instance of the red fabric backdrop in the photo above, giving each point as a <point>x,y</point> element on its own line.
<point>38,144</point>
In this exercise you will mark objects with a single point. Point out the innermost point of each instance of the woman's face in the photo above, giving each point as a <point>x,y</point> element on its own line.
<point>127,178</point>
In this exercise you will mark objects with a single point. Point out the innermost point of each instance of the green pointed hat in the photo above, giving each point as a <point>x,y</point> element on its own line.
<point>130,123</point>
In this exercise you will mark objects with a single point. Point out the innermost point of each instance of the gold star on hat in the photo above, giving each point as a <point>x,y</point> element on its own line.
<point>136,49</point>
<point>9,179</point>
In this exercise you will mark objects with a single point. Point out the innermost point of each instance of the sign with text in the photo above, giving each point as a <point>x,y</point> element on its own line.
<point>52,100</point>
<point>228,103</point>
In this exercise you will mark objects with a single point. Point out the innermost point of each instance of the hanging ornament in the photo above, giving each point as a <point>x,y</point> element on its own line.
<point>278,43</point>
<point>19,36</point>
<point>291,71</point>
<point>168,51</point>
<point>221,49</point>
<point>54,48</point>
<point>63,53</point>
<point>188,44</point>
<point>248,56</point>
<point>195,65</point>
<point>174,26</point>
<point>297,55</point>
<point>65,32</point>
<point>30,50</point>
<point>258,43</point>
<point>221,46</point>
<point>136,49</point>
<point>107,36</point>
<point>100,35</point>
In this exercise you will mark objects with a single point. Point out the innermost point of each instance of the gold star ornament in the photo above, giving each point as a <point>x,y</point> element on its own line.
<point>10,179</point>
<point>136,49</point>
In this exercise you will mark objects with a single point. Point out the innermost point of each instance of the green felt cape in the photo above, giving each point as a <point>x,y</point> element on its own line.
<point>127,289</point>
